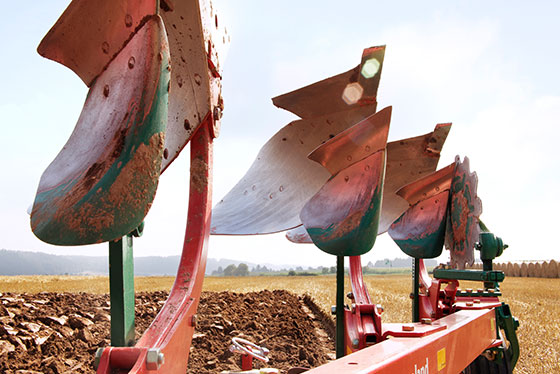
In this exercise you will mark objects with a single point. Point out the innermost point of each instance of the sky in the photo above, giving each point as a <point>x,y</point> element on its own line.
<point>488,67</point>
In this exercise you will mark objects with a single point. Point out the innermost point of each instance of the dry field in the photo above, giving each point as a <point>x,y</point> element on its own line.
<point>534,301</point>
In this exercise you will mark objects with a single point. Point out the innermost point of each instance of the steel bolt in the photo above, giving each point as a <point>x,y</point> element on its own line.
<point>215,129</point>
<point>217,113</point>
<point>350,295</point>
<point>193,320</point>
<point>355,343</point>
<point>426,321</point>
<point>154,359</point>
<point>408,328</point>
<point>476,301</point>
<point>469,303</point>
<point>333,310</point>
<point>128,20</point>
<point>380,308</point>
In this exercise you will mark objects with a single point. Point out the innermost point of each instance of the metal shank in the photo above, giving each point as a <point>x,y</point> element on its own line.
<point>172,329</point>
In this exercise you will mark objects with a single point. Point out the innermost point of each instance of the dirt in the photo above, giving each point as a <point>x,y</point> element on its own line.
<point>60,332</point>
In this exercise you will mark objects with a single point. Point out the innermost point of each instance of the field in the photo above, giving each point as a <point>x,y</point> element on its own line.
<point>534,301</point>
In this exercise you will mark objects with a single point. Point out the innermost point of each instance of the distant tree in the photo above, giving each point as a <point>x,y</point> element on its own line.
<point>332,269</point>
<point>324,270</point>
<point>241,271</point>
<point>291,273</point>
<point>299,268</point>
<point>219,271</point>
<point>230,270</point>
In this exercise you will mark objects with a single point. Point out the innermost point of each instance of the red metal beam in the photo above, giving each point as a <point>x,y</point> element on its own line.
<point>172,329</point>
<point>467,335</point>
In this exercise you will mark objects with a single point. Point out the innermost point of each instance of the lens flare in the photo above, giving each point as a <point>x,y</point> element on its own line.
<point>370,68</point>
<point>352,93</point>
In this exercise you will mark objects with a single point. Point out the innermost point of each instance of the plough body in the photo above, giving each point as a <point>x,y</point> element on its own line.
<point>331,178</point>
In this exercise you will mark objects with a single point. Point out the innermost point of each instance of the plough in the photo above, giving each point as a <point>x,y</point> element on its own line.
<point>329,178</point>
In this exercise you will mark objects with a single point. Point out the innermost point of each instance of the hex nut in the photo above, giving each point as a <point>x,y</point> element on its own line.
<point>154,359</point>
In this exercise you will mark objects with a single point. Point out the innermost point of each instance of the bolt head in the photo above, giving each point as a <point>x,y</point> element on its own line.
<point>193,320</point>
<point>333,309</point>
<point>154,359</point>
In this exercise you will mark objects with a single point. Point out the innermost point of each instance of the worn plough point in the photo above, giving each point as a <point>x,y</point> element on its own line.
<point>329,178</point>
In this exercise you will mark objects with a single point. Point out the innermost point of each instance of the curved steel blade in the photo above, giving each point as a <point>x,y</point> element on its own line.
<point>102,183</point>
<point>420,231</point>
<point>463,223</point>
<point>299,235</point>
<point>428,186</point>
<point>89,34</point>
<point>406,160</point>
<point>282,179</point>
<point>354,144</point>
<point>342,218</point>
<point>326,96</point>
<point>197,42</point>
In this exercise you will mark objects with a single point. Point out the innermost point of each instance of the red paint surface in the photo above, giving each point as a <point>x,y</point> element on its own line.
<point>172,329</point>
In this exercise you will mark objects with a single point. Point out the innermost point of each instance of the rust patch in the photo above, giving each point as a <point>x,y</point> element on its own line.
<point>93,173</point>
<point>134,185</point>
<point>119,140</point>
<point>348,224</point>
<point>199,175</point>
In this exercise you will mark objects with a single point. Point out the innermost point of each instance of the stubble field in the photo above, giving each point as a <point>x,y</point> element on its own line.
<point>533,301</point>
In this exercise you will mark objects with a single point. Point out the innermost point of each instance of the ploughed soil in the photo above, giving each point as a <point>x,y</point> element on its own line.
<point>60,332</point>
